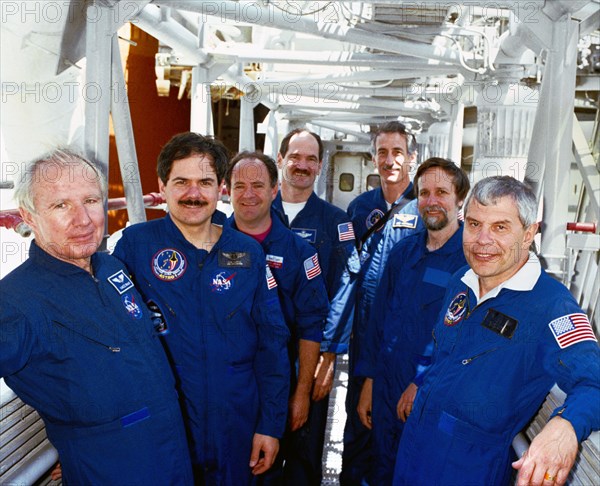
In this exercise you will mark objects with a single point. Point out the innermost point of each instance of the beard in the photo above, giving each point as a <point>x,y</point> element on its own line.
<point>435,223</point>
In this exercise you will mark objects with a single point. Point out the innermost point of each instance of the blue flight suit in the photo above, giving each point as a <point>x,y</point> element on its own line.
<point>303,298</point>
<point>328,229</point>
<point>366,209</point>
<point>225,336</point>
<point>357,459</point>
<point>83,351</point>
<point>300,285</point>
<point>493,364</point>
<point>322,225</point>
<point>405,309</point>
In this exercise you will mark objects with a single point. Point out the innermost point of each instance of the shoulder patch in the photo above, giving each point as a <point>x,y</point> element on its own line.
<point>120,281</point>
<point>168,264</point>
<point>312,267</point>
<point>373,217</point>
<point>456,309</point>
<point>572,329</point>
<point>271,282</point>
<point>346,231</point>
<point>238,259</point>
<point>404,220</point>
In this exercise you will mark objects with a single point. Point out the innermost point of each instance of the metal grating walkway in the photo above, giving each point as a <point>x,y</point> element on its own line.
<point>336,418</point>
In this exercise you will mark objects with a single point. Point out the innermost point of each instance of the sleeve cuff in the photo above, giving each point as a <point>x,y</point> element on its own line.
<point>580,425</point>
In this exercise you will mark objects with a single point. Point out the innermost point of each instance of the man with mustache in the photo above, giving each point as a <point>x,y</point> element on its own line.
<point>382,217</point>
<point>78,344</point>
<point>218,311</point>
<point>329,230</point>
<point>506,334</point>
<point>406,305</point>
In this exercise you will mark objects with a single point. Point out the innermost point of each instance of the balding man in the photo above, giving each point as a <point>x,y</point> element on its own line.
<point>78,344</point>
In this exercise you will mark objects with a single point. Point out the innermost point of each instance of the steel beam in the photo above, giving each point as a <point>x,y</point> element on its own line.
<point>128,162</point>
<point>258,13</point>
<point>201,119</point>
<point>246,130</point>
<point>171,33</point>
<point>550,152</point>
<point>97,88</point>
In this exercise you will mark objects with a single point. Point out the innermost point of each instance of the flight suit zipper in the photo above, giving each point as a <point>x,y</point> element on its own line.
<point>113,349</point>
<point>468,360</point>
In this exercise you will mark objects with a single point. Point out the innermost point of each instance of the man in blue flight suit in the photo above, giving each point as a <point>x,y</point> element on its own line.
<point>507,332</point>
<point>78,344</point>
<point>382,217</point>
<point>223,327</point>
<point>251,179</point>
<point>329,230</point>
<point>406,305</point>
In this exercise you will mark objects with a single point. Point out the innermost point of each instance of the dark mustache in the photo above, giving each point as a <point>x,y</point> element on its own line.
<point>192,202</point>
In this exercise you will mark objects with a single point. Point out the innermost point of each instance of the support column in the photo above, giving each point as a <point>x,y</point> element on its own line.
<point>455,139</point>
<point>271,136</point>
<point>128,162</point>
<point>201,119</point>
<point>97,89</point>
<point>246,131</point>
<point>550,154</point>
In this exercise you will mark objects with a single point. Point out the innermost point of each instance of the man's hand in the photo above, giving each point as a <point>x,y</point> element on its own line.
<point>323,376</point>
<point>365,403</point>
<point>264,451</point>
<point>298,408</point>
<point>56,473</point>
<point>550,457</point>
<point>405,404</point>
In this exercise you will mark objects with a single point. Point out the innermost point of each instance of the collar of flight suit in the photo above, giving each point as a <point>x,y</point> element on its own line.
<point>524,280</point>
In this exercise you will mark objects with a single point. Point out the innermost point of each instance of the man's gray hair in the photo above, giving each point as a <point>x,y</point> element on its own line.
<point>489,190</point>
<point>50,165</point>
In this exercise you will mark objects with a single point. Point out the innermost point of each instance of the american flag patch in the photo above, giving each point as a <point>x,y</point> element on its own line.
<point>312,267</point>
<point>271,282</point>
<point>572,329</point>
<point>346,231</point>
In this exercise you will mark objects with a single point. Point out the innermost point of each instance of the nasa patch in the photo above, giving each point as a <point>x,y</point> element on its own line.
<point>456,309</point>
<point>403,220</point>
<point>121,282</point>
<point>373,217</point>
<point>169,264</point>
<point>131,306</point>
<point>222,282</point>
